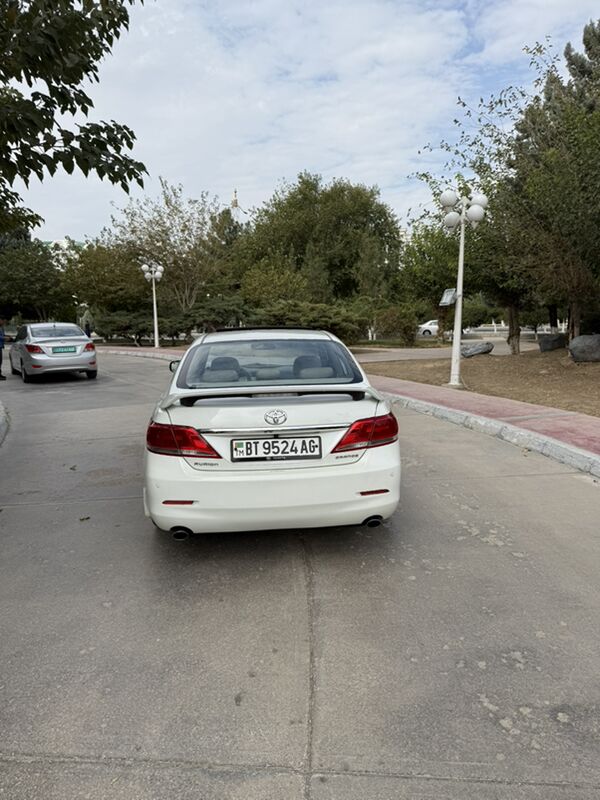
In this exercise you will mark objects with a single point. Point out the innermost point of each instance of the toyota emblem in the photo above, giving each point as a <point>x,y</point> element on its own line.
<point>275,417</point>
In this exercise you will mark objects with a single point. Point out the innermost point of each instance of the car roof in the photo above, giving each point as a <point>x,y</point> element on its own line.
<point>247,334</point>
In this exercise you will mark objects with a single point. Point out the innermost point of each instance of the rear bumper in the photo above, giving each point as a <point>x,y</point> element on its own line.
<point>42,364</point>
<point>273,499</point>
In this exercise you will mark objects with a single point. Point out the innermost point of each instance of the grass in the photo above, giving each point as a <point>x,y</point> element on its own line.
<point>548,379</point>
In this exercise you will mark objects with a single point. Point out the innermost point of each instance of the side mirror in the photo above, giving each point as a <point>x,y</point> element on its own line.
<point>174,364</point>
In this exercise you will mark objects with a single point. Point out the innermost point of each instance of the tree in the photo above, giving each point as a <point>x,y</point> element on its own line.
<point>584,68</point>
<point>268,282</point>
<point>398,322</point>
<point>315,227</point>
<point>429,267</point>
<point>124,324</point>
<point>341,321</point>
<point>503,250</point>
<point>556,160</point>
<point>188,237</point>
<point>49,49</point>
<point>31,285</point>
<point>477,311</point>
<point>102,275</point>
<point>538,157</point>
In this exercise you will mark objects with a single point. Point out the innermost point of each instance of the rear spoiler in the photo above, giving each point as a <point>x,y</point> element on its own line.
<point>356,391</point>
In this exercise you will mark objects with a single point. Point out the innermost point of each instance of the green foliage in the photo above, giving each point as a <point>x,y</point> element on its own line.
<point>31,285</point>
<point>331,234</point>
<point>49,51</point>
<point>534,317</point>
<point>192,239</point>
<point>342,322</point>
<point>218,311</point>
<point>268,282</point>
<point>429,264</point>
<point>123,325</point>
<point>188,237</point>
<point>537,156</point>
<point>104,275</point>
<point>397,322</point>
<point>476,311</point>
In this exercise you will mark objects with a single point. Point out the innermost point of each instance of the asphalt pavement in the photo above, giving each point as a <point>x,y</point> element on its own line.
<point>452,653</point>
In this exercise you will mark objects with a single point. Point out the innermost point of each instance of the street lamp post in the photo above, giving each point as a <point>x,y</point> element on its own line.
<point>153,273</point>
<point>459,211</point>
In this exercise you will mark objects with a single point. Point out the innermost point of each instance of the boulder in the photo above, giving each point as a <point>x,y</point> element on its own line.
<point>585,348</point>
<point>551,341</point>
<point>476,349</point>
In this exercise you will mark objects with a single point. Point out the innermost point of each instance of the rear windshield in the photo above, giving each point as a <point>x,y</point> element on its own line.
<point>267,362</point>
<point>55,331</point>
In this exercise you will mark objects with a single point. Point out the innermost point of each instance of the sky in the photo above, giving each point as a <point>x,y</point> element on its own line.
<point>241,94</point>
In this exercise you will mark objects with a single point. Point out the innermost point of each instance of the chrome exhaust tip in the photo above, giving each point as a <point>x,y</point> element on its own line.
<point>180,534</point>
<point>373,522</point>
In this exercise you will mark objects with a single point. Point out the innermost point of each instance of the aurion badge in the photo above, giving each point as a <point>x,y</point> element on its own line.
<point>275,417</point>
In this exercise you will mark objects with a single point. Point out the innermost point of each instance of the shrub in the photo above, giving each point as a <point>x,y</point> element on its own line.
<point>397,322</point>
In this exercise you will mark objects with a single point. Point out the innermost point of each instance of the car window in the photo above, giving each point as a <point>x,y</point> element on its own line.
<point>21,334</point>
<point>267,362</point>
<point>55,331</point>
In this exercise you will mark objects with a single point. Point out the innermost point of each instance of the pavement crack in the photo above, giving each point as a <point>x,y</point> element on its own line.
<point>309,578</point>
<point>143,762</point>
<point>58,503</point>
<point>226,767</point>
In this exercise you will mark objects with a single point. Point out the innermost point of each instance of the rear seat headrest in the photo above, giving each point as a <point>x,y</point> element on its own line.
<point>304,362</point>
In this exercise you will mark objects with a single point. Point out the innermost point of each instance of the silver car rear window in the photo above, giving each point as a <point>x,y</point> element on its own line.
<point>55,331</point>
<point>267,362</point>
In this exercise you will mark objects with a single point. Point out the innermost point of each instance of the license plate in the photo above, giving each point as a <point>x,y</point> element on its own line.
<point>64,349</point>
<point>276,449</point>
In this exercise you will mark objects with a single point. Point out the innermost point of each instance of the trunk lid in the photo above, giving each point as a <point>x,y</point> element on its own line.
<point>316,417</point>
<point>69,345</point>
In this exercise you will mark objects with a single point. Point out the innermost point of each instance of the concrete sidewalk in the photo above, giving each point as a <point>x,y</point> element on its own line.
<point>564,436</point>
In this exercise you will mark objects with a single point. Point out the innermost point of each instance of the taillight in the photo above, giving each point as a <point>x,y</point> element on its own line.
<point>177,440</point>
<point>89,348</point>
<point>371,432</point>
<point>33,348</point>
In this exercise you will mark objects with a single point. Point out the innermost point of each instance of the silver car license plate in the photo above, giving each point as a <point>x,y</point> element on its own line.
<point>64,349</point>
<point>296,447</point>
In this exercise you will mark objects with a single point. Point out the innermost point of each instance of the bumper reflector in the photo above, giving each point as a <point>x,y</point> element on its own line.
<point>375,491</point>
<point>178,502</point>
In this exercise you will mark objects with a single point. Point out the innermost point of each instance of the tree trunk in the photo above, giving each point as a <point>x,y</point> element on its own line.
<point>553,318</point>
<point>514,330</point>
<point>574,319</point>
<point>442,319</point>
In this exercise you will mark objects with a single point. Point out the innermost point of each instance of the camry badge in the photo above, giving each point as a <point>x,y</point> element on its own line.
<point>275,417</point>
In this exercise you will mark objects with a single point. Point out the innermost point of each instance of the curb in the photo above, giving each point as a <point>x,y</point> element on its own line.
<point>3,423</point>
<point>159,356</point>
<point>572,456</point>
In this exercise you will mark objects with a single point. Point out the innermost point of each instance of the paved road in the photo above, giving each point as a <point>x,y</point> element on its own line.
<point>452,654</point>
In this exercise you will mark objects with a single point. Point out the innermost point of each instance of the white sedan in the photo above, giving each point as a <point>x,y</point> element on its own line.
<point>270,429</point>
<point>429,328</point>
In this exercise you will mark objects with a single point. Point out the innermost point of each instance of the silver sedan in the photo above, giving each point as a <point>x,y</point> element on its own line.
<point>52,347</point>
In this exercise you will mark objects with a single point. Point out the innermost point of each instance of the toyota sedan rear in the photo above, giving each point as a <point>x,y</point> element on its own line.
<point>268,429</point>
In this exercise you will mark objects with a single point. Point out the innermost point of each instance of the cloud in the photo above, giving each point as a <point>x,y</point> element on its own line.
<point>243,95</point>
<point>504,27</point>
